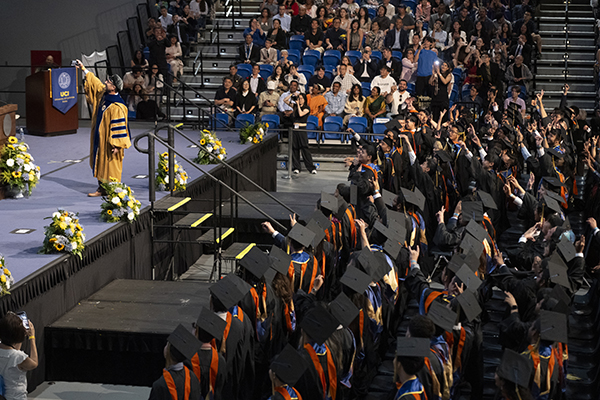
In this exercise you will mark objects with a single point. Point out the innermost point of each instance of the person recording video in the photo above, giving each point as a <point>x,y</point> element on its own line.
<point>301,111</point>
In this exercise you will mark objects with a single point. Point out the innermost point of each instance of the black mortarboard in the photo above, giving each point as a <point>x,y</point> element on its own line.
<point>552,204</point>
<point>329,202</point>
<point>319,324</point>
<point>476,230</point>
<point>567,223</point>
<point>515,368</point>
<point>256,262</point>
<point>567,249</point>
<point>459,259</point>
<point>288,366</point>
<point>393,125</point>
<point>466,276</point>
<point>388,197</point>
<point>442,316</point>
<point>469,305</point>
<point>559,294</point>
<point>555,153</point>
<point>353,195</point>
<point>444,156</point>
<point>469,243</point>
<point>554,182</point>
<point>230,290</point>
<point>397,217</point>
<point>414,197</point>
<point>553,326</point>
<point>558,271</point>
<point>342,207</point>
<point>270,275</point>
<point>371,264</point>
<point>392,248</point>
<point>321,219</point>
<point>211,323</point>
<point>412,347</point>
<point>302,235</point>
<point>487,200</point>
<point>319,232</point>
<point>384,230</point>
<point>280,260</point>
<point>344,310</point>
<point>184,341</point>
<point>472,210</point>
<point>356,280</point>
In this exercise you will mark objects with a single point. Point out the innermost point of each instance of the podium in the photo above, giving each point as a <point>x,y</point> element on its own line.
<point>42,118</point>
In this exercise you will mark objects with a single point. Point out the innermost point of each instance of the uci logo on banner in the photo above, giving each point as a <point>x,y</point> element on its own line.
<point>64,89</point>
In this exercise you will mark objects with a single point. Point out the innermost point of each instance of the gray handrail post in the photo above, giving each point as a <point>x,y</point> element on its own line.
<point>289,162</point>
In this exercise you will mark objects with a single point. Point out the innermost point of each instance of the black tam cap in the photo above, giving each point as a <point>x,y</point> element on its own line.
<point>487,200</point>
<point>368,260</point>
<point>552,204</point>
<point>553,327</point>
<point>558,271</point>
<point>211,323</point>
<point>388,197</point>
<point>302,235</point>
<point>466,276</point>
<point>470,244</point>
<point>412,347</point>
<point>414,197</point>
<point>476,230</point>
<point>472,210</point>
<point>393,125</point>
<point>329,202</point>
<point>356,280</point>
<point>184,342</point>
<point>444,156</point>
<point>230,290</point>
<point>280,260</point>
<point>553,182</point>
<point>321,219</point>
<point>288,366</point>
<point>567,249</point>
<point>343,309</point>
<point>469,304</point>
<point>256,262</point>
<point>442,316</point>
<point>319,324</point>
<point>515,368</point>
<point>319,232</point>
<point>555,153</point>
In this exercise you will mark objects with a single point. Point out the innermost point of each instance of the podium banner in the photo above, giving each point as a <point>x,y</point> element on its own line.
<point>63,88</point>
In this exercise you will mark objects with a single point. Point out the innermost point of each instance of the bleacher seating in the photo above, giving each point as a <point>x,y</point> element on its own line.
<point>311,57</point>
<point>297,42</point>
<point>312,126</point>
<point>243,119</point>
<point>272,119</point>
<point>244,70</point>
<point>366,89</point>
<point>397,55</point>
<point>294,56</point>
<point>331,57</point>
<point>266,70</point>
<point>333,124</point>
<point>221,121</point>
<point>376,55</point>
<point>379,128</point>
<point>358,124</point>
<point>353,55</point>
<point>307,71</point>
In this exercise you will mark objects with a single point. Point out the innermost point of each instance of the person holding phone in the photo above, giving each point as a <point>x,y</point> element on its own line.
<point>14,363</point>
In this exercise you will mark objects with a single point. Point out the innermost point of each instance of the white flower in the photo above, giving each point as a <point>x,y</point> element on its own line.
<point>68,220</point>
<point>209,148</point>
<point>20,161</point>
<point>28,167</point>
<point>261,130</point>
<point>130,216</point>
<point>74,245</point>
<point>220,156</point>
<point>167,179</point>
<point>115,200</point>
<point>55,215</point>
<point>8,284</point>
<point>10,162</point>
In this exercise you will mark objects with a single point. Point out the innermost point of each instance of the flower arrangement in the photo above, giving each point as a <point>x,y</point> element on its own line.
<point>162,174</point>
<point>213,145</point>
<point>119,203</point>
<point>17,169</point>
<point>6,278</point>
<point>63,234</point>
<point>254,133</point>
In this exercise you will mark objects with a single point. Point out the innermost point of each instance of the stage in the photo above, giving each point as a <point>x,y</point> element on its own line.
<point>47,286</point>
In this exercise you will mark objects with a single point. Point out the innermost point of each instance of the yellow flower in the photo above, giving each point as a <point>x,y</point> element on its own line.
<point>176,167</point>
<point>222,150</point>
<point>267,124</point>
<point>10,146</point>
<point>20,155</point>
<point>79,227</point>
<point>218,142</point>
<point>202,141</point>
<point>3,279</point>
<point>121,195</point>
<point>6,271</point>
<point>62,218</point>
<point>16,174</point>
<point>109,212</point>
<point>119,204</point>
<point>63,225</point>
<point>165,154</point>
<point>52,240</point>
<point>130,203</point>
<point>12,139</point>
<point>31,176</point>
<point>59,246</point>
<point>22,148</point>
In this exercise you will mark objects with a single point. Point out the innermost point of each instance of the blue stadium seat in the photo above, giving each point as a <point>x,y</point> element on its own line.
<point>330,75</point>
<point>397,55</point>
<point>243,119</point>
<point>297,42</point>
<point>379,129</point>
<point>331,57</point>
<point>376,55</point>
<point>312,125</point>
<point>358,124</point>
<point>334,124</point>
<point>353,55</point>
<point>131,115</point>
<point>366,89</point>
<point>266,70</point>
<point>307,71</point>
<point>146,52</point>
<point>311,57</point>
<point>411,4</point>
<point>272,120</point>
<point>221,121</point>
<point>294,56</point>
<point>411,88</point>
<point>244,70</point>
<point>372,13</point>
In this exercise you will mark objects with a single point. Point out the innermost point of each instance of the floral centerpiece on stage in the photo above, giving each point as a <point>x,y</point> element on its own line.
<point>119,202</point>
<point>63,234</point>
<point>6,278</point>
<point>213,145</point>
<point>162,174</point>
<point>254,133</point>
<point>17,170</point>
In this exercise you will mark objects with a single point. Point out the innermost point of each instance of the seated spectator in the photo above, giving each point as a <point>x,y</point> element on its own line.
<point>322,18</point>
<point>355,103</point>
<point>267,101</point>
<point>345,79</point>
<point>487,25</point>
<point>441,15</point>
<point>474,97</point>
<point>14,362</point>
<point>249,53</point>
<point>515,91</point>
<point>363,19</point>
<point>527,21</point>
<point>496,8</point>
<point>394,65</point>
<point>192,23</point>
<point>225,96</point>
<point>301,22</point>
<point>345,61</point>
<point>181,31</point>
<point>355,37</point>
<point>521,49</point>
<point>374,105</point>
<point>480,33</point>
<point>333,36</point>
<point>270,5</point>
<point>200,9</point>
<point>265,21</point>
<point>257,83</point>
<point>464,21</point>
<point>293,75</point>
<point>291,7</point>
<point>148,109</point>
<point>456,28</point>
<point>311,9</point>
<point>397,38</point>
<point>440,36</point>
<point>314,37</point>
<point>336,100</point>
<point>344,19</point>
<point>286,111</point>
<point>245,100</point>
<point>519,74</point>
<point>268,55</point>
<point>352,7</point>
<point>396,100</point>
<point>384,82</point>
<point>320,78</point>
<point>277,35</point>
<point>139,60</point>
<point>154,83</point>
<point>258,35</point>
<point>278,78</point>
<point>390,9</point>
<point>518,11</point>
<point>317,102</point>
<point>414,44</point>
<point>236,79</point>
<point>284,62</point>
<point>152,23</point>
<point>498,22</point>
<point>176,7</point>
<point>417,31</point>
<point>133,77</point>
<point>165,18</point>
<point>409,67</point>
<point>489,72</point>
<point>284,19</point>
<point>174,55</point>
<point>134,97</point>
<point>504,35</point>
<point>375,37</point>
<point>382,19</point>
<point>407,19</point>
<point>423,12</point>
<point>365,69</point>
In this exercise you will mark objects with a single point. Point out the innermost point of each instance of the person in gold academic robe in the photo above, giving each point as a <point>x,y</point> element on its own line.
<point>110,130</point>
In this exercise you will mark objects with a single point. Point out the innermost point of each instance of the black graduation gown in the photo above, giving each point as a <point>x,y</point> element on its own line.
<point>160,390</point>
<point>432,199</point>
<point>342,346</point>
<point>234,354</point>
<point>309,386</point>
<point>205,360</point>
<point>246,384</point>
<point>426,377</point>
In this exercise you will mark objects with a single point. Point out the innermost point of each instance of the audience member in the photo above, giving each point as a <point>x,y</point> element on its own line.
<point>257,83</point>
<point>139,60</point>
<point>519,74</point>
<point>397,38</point>
<point>245,100</point>
<point>425,58</point>
<point>248,53</point>
<point>284,18</point>
<point>333,36</point>
<point>441,15</point>
<point>365,68</point>
<point>344,19</point>
<point>345,79</point>
<point>174,54</point>
<point>286,111</point>
<point>277,35</point>
<point>320,78</point>
<point>374,105</point>
<point>382,19</point>
<point>301,22</point>
<point>384,81</point>
<point>355,103</point>
<point>294,75</point>
<point>409,67</point>
<point>521,48</point>
<point>267,101</point>
<point>375,37</point>
<point>389,61</point>
<point>226,95</point>
<point>397,98</point>
<point>265,21</point>
<point>278,78</point>
<point>254,30</point>
<point>133,77</point>
<point>336,100</point>
<point>165,18</point>
<point>314,37</point>
<point>15,363</point>
<point>355,37</point>
<point>268,55</point>
<point>317,102</point>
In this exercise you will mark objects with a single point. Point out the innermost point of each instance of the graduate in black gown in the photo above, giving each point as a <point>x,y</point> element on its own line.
<point>286,369</point>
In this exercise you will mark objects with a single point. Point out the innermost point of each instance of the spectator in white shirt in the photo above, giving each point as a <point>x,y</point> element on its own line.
<point>385,82</point>
<point>284,18</point>
<point>439,35</point>
<point>345,79</point>
<point>397,98</point>
<point>165,18</point>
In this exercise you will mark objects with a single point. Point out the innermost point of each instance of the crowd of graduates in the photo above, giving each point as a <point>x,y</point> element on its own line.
<point>423,218</point>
